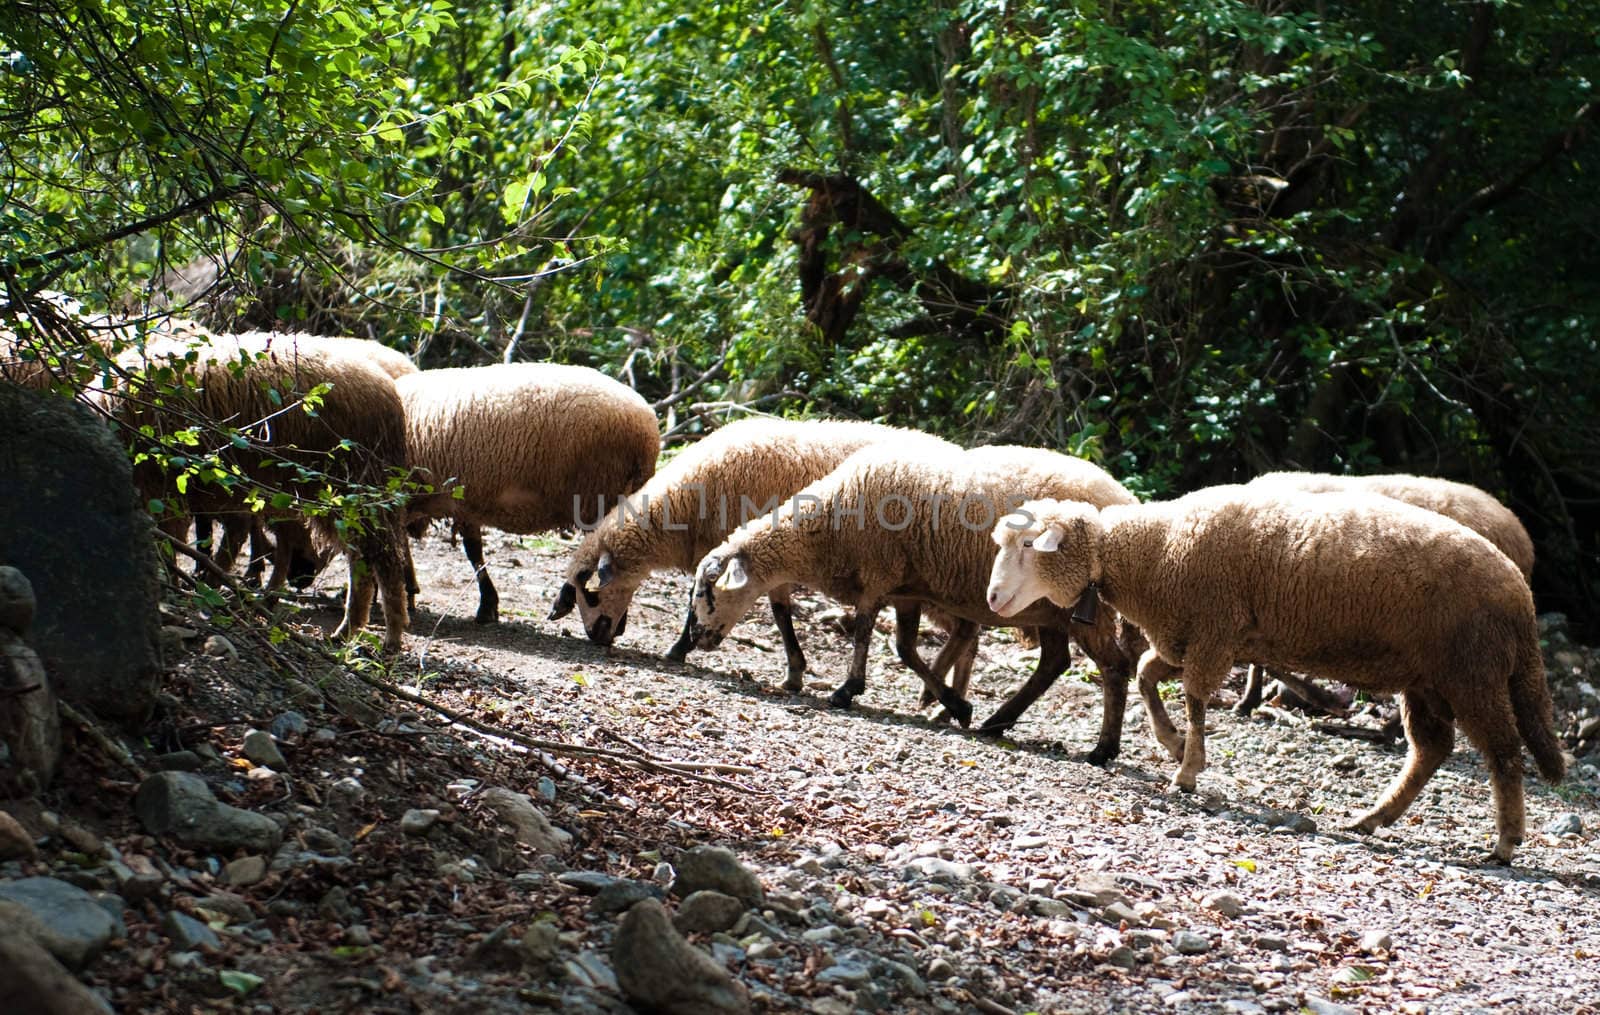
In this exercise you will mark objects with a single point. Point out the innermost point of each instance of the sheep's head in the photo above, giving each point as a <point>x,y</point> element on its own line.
<point>723,593</point>
<point>601,586</point>
<point>1048,550</point>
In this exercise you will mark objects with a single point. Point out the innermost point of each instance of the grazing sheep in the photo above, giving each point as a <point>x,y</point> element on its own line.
<point>1379,594</point>
<point>1472,507</point>
<point>354,439</point>
<point>522,447</point>
<point>912,522</point>
<point>743,470</point>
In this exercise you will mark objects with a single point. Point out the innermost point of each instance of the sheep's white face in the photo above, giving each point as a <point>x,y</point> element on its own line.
<point>602,592</point>
<point>723,594</point>
<point>1014,580</point>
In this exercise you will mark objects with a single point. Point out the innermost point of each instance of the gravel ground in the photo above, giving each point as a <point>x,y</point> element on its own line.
<point>908,867</point>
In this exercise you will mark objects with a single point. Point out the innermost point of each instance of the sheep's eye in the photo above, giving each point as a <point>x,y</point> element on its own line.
<point>1027,544</point>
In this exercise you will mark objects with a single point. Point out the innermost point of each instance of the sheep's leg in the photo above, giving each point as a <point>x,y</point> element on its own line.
<point>1202,675</point>
<point>856,681</point>
<point>907,618</point>
<point>357,596</point>
<point>1432,736</point>
<point>1152,671</point>
<point>964,642</point>
<point>261,550</point>
<point>783,616</point>
<point>1501,747</point>
<point>1254,684</point>
<point>1102,645</point>
<point>488,598</point>
<point>1055,655</point>
<point>680,648</point>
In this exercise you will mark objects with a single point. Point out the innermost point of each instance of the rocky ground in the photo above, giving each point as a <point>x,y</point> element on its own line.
<point>290,838</point>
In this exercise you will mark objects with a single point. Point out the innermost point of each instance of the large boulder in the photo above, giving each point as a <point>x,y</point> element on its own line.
<point>70,521</point>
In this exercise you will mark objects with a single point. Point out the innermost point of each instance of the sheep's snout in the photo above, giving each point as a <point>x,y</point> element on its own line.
<point>704,638</point>
<point>600,631</point>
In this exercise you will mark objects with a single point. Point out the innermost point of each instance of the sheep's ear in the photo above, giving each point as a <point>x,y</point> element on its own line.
<point>733,576</point>
<point>565,601</point>
<point>603,572</point>
<point>1048,541</point>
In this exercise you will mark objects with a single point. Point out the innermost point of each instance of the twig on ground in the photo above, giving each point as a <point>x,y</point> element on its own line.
<point>116,751</point>
<point>682,766</point>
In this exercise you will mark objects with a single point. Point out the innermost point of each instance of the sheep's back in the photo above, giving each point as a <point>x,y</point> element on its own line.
<point>1351,586</point>
<point>536,446</point>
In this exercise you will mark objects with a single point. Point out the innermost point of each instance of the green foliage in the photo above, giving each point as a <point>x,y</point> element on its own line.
<point>1213,237</point>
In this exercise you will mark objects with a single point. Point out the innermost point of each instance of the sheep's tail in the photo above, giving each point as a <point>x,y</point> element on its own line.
<point>1530,702</point>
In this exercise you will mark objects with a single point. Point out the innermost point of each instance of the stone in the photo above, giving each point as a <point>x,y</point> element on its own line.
<point>848,973</point>
<point>15,842</point>
<point>716,868</point>
<point>542,943</point>
<point>221,647</point>
<point>137,878</point>
<point>1322,1006</point>
<point>527,822</point>
<point>706,912</point>
<point>180,804</point>
<point>417,821</point>
<point>30,723</point>
<point>1224,903</point>
<point>177,761</point>
<point>83,537</point>
<point>260,748</point>
<point>1565,824</point>
<point>225,906</point>
<point>288,726</point>
<point>35,983</point>
<point>658,970</point>
<point>245,871</point>
<point>65,919</point>
<point>1374,941</point>
<point>622,894</point>
<point>188,934</point>
<point>346,793</point>
<point>940,969</point>
<point>1271,942</point>
<point>939,869</point>
<point>587,882</point>
<point>1187,942</point>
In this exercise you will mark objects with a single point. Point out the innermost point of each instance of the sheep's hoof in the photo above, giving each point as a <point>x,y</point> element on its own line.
<point>676,654</point>
<point>796,684</point>
<point>841,698</point>
<point>957,707</point>
<point>1103,754</point>
<point>487,615</point>
<point>1181,785</point>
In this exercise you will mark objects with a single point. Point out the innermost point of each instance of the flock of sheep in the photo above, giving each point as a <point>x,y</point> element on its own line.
<point>1393,584</point>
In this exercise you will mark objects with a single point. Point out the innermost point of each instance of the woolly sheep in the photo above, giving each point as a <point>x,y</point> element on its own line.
<point>290,548</point>
<point>528,447</point>
<point>355,438</point>
<point>912,522</point>
<point>742,470</point>
<point>1472,507</point>
<point>1382,595</point>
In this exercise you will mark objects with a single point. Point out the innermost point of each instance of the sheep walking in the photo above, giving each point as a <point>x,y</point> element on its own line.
<point>1476,509</point>
<point>911,522</point>
<point>1379,594</point>
<point>354,443</point>
<point>739,472</point>
<point>522,447</point>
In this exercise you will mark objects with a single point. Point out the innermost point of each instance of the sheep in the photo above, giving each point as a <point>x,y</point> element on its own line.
<point>291,548</point>
<point>522,447</point>
<point>912,522</point>
<point>696,500</point>
<point>356,438</point>
<point>1472,507</point>
<point>1380,594</point>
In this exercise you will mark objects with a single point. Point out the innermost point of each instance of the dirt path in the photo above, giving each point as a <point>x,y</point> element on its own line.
<point>955,874</point>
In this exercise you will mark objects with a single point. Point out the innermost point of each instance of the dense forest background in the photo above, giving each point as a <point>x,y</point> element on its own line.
<point>1190,240</point>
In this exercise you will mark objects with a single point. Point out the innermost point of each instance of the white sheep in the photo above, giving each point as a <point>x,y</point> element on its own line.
<point>743,470</point>
<point>1379,594</point>
<point>911,522</point>
<point>522,447</point>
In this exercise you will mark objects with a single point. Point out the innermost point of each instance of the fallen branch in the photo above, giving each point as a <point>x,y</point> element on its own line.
<point>116,751</point>
<point>551,746</point>
<point>682,766</point>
